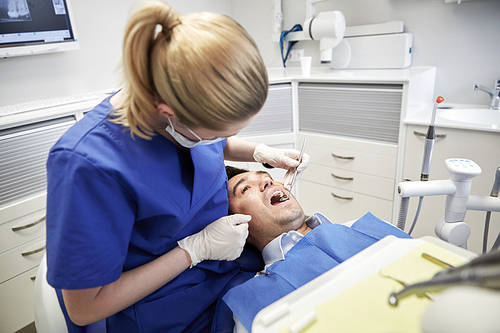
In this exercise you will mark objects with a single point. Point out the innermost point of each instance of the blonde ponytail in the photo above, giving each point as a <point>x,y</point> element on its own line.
<point>205,66</point>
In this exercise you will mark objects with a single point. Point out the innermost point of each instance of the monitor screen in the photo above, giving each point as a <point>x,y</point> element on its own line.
<point>34,22</point>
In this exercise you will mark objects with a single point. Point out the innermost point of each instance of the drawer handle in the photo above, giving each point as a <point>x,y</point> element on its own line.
<point>29,225</point>
<point>438,136</point>
<point>343,157</point>
<point>340,177</point>
<point>40,249</point>
<point>341,197</point>
<point>33,278</point>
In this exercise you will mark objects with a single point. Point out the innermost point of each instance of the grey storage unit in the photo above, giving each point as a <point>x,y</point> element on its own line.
<point>276,114</point>
<point>23,154</point>
<point>368,111</point>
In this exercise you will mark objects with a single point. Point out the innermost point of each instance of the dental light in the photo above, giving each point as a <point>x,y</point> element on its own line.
<point>327,27</point>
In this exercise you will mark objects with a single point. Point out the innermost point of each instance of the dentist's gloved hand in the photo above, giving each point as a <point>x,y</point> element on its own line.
<point>222,239</point>
<point>280,158</point>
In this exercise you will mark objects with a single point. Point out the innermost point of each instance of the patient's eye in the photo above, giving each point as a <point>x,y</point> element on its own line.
<point>245,188</point>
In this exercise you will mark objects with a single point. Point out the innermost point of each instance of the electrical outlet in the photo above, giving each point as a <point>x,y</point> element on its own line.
<point>295,54</point>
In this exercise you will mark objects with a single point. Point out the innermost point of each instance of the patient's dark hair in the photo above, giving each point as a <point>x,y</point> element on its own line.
<point>252,250</point>
<point>232,171</point>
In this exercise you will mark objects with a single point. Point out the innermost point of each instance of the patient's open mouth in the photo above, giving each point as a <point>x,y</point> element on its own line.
<point>278,197</point>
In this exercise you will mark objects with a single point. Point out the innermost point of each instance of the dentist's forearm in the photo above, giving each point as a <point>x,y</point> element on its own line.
<point>239,150</point>
<point>86,306</point>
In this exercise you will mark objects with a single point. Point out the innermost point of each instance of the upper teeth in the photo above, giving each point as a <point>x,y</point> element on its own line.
<point>282,196</point>
<point>280,193</point>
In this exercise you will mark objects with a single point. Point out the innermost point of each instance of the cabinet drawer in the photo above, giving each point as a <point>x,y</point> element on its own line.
<point>21,258</point>
<point>372,158</point>
<point>379,187</point>
<point>334,203</point>
<point>22,230</point>
<point>16,299</point>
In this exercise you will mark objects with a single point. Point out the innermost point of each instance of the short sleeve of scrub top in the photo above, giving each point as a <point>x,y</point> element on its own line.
<point>89,249</point>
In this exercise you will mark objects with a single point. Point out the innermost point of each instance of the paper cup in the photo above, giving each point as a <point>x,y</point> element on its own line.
<point>305,65</point>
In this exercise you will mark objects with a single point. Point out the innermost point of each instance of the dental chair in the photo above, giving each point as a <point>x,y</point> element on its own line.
<point>49,317</point>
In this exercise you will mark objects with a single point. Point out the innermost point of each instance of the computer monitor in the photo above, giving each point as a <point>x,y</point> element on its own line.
<point>36,26</point>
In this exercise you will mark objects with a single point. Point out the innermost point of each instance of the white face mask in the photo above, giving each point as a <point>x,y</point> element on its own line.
<point>185,142</point>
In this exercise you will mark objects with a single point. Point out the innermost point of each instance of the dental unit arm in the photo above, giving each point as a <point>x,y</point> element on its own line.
<point>452,229</point>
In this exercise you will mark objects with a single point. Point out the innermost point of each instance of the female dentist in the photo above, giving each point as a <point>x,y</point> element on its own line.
<point>137,231</point>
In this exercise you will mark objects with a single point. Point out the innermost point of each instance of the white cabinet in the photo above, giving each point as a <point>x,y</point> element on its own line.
<point>352,131</point>
<point>23,150</point>
<point>348,177</point>
<point>481,147</point>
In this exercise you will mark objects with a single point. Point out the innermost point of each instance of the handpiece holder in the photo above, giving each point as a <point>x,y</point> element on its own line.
<point>457,189</point>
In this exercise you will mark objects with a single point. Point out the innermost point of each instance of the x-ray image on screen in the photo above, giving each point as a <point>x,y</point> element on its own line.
<point>59,8</point>
<point>14,11</point>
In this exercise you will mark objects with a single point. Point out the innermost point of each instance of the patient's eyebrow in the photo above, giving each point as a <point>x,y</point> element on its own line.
<point>238,184</point>
<point>245,178</point>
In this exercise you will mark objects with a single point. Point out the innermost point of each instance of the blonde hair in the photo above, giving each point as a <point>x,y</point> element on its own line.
<point>205,66</point>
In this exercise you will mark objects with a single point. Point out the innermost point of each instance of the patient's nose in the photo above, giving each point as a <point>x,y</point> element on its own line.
<point>265,184</point>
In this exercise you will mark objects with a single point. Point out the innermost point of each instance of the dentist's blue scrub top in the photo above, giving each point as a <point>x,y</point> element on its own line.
<point>115,203</point>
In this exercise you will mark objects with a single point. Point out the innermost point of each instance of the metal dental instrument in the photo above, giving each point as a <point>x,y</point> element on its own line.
<point>436,261</point>
<point>483,271</point>
<point>296,169</point>
<point>403,284</point>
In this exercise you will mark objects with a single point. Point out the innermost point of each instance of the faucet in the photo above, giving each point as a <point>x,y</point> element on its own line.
<point>493,92</point>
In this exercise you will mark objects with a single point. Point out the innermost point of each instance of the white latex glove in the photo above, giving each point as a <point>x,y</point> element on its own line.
<point>222,239</point>
<point>280,158</point>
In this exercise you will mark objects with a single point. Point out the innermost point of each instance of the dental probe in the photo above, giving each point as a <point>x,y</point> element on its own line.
<point>297,168</point>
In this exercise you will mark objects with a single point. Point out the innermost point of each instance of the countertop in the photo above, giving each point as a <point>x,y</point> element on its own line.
<point>425,119</point>
<point>324,74</point>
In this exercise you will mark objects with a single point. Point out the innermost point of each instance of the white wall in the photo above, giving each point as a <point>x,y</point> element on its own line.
<point>95,66</point>
<point>462,41</point>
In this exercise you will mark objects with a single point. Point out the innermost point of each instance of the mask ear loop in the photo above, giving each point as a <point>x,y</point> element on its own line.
<point>195,135</point>
<point>190,130</point>
<point>170,123</point>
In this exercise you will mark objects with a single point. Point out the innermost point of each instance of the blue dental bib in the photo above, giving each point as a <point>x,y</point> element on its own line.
<point>319,251</point>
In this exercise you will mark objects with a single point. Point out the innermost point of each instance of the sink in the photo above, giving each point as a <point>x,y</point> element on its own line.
<point>479,116</point>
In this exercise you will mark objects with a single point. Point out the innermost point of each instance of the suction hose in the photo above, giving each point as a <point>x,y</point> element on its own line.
<point>494,193</point>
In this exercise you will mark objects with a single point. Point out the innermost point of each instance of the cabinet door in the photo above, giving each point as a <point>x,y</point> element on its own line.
<point>24,151</point>
<point>276,114</point>
<point>369,111</point>
<point>481,147</point>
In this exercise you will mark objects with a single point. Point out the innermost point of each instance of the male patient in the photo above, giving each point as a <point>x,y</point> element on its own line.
<point>295,248</point>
